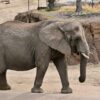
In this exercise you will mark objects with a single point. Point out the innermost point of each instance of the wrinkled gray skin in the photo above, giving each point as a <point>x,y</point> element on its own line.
<point>24,46</point>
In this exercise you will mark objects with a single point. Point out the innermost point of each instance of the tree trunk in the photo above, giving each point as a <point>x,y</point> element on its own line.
<point>78,6</point>
<point>51,4</point>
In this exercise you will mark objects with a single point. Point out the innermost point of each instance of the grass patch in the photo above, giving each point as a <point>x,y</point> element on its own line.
<point>71,9</point>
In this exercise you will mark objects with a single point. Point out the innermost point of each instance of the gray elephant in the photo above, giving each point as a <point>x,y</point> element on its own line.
<point>24,46</point>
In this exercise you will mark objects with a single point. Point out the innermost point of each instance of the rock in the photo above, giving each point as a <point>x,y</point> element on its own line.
<point>30,17</point>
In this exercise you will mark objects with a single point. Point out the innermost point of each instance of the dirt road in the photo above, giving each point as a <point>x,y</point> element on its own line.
<point>22,82</point>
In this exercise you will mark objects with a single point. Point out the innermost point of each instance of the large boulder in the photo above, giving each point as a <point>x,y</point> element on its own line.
<point>30,17</point>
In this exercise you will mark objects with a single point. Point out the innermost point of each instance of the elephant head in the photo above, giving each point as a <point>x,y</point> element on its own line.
<point>68,38</point>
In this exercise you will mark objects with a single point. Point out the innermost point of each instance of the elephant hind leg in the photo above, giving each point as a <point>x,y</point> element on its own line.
<point>3,82</point>
<point>60,64</point>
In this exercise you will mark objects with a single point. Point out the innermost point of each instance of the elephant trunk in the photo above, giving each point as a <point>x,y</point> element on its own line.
<point>84,51</point>
<point>83,64</point>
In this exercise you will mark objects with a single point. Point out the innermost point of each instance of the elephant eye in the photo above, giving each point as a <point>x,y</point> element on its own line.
<point>77,39</point>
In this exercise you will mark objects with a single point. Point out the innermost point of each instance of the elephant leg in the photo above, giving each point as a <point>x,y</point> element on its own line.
<point>42,61</point>
<point>41,70</point>
<point>3,82</point>
<point>61,67</point>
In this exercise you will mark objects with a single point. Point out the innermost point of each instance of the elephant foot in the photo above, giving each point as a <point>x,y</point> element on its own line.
<point>36,90</point>
<point>5,87</point>
<point>66,90</point>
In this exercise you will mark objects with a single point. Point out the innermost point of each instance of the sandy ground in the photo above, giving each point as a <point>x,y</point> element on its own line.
<point>22,82</point>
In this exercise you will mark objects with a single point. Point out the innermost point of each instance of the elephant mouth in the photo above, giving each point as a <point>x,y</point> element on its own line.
<point>86,56</point>
<point>79,52</point>
<point>83,54</point>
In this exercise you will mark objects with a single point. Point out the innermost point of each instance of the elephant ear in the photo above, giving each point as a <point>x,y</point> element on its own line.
<point>53,37</point>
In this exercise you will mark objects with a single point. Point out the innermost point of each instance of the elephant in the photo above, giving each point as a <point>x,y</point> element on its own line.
<point>25,46</point>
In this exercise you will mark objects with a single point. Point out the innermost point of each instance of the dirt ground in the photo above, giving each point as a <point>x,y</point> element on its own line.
<point>22,82</point>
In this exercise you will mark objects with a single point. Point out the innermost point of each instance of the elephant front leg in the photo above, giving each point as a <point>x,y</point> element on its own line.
<point>61,67</point>
<point>39,79</point>
<point>42,62</point>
